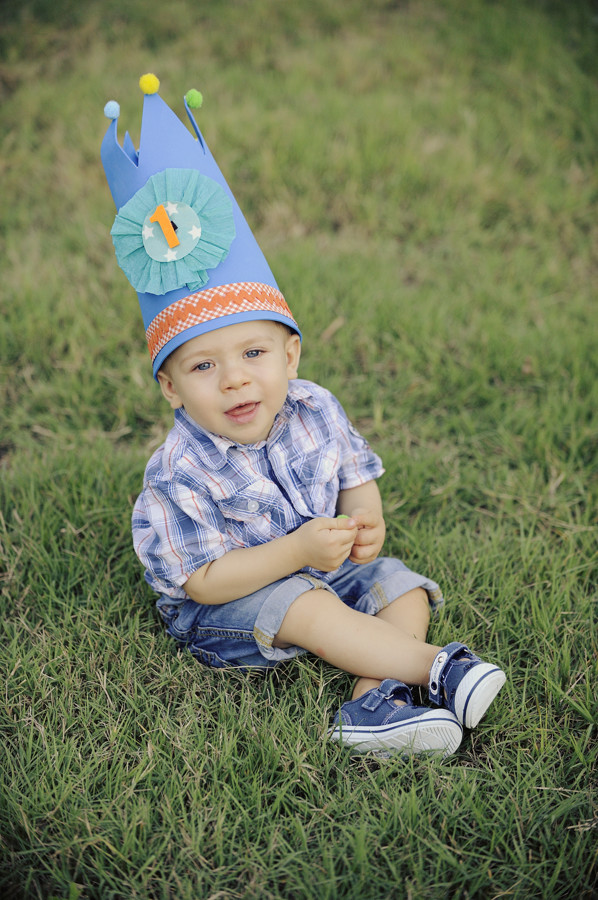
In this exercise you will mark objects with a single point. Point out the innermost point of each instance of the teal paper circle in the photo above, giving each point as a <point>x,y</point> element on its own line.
<point>203,214</point>
<point>186,227</point>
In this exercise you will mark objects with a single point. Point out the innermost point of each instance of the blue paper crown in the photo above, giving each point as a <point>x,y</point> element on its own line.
<point>179,234</point>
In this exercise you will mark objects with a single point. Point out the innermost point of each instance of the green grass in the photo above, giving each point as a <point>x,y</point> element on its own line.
<point>422,179</point>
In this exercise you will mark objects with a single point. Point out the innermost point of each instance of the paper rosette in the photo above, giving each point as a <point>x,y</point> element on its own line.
<point>178,225</point>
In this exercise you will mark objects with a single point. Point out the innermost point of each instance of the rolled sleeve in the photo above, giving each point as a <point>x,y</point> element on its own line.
<point>359,464</point>
<point>175,532</point>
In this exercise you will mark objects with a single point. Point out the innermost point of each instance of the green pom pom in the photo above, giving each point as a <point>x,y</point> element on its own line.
<point>194,99</point>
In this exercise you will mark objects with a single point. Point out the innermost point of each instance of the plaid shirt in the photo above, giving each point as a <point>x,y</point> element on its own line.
<point>204,495</point>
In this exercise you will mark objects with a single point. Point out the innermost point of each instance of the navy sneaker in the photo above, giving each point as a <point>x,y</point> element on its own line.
<point>463,684</point>
<point>374,723</point>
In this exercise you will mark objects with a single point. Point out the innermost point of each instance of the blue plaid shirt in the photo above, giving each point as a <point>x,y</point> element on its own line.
<point>204,495</point>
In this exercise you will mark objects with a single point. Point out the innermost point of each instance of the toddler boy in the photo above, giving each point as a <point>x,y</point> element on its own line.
<point>260,521</point>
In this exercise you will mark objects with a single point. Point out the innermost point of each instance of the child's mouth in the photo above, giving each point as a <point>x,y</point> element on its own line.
<point>242,413</point>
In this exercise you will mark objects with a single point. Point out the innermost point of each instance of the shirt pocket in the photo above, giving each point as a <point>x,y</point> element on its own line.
<point>248,513</point>
<point>317,474</point>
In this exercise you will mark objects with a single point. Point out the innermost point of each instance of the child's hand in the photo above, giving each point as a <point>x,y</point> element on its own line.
<point>325,544</point>
<point>370,535</point>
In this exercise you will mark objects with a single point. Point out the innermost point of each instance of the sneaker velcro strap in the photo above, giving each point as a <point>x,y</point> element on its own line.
<point>438,668</point>
<point>373,700</point>
<point>388,690</point>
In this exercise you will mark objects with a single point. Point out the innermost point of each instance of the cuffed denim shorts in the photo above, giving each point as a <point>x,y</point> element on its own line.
<point>240,633</point>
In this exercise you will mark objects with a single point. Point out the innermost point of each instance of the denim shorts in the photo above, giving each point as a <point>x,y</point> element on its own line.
<point>241,633</point>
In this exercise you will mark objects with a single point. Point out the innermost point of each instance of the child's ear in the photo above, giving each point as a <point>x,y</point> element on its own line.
<point>168,389</point>
<point>293,351</point>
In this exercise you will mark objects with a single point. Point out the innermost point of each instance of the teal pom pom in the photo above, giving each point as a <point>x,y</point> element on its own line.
<point>112,110</point>
<point>194,99</point>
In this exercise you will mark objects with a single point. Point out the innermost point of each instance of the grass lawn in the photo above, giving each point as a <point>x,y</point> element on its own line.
<point>422,178</point>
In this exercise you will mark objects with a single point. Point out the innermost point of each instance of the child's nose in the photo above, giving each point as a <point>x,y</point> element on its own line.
<point>234,376</point>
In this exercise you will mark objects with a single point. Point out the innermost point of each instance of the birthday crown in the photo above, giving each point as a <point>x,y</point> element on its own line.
<point>179,233</point>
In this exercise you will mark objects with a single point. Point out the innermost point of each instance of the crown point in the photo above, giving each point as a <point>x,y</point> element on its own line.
<point>149,84</point>
<point>112,110</point>
<point>194,99</point>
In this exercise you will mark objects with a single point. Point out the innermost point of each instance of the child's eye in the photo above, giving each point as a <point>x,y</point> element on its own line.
<point>203,366</point>
<point>253,354</point>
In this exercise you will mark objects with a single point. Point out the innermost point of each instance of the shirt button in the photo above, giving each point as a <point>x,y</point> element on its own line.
<point>253,505</point>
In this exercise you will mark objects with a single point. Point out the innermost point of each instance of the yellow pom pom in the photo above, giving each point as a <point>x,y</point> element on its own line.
<point>149,84</point>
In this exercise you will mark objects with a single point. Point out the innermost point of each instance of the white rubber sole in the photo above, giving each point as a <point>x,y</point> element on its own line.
<point>476,691</point>
<point>437,733</point>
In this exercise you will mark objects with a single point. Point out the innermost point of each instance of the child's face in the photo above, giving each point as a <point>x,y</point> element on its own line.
<point>233,381</point>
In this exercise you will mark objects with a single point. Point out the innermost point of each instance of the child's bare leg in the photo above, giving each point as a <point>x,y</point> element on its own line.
<point>370,646</point>
<point>377,648</point>
<point>411,614</point>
